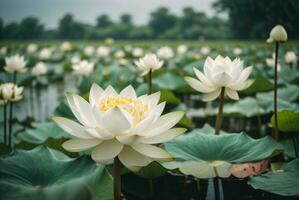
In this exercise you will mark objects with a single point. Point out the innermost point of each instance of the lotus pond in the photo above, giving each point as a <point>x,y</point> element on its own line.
<point>149,120</point>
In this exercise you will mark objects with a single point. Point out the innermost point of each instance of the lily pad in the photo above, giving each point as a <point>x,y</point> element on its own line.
<point>43,173</point>
<point>260,84</point>
<point>285,182</point>
<point>287,121</point>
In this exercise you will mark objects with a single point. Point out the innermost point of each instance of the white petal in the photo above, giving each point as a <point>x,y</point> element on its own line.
<point>198,86</point>
<point>77,145</point>
<point>201,77</point>
<point>127,139</point>
<point>243,77</point>
<point>72,127</point>
<point>75,110</point>
<point>106,150</point>
<point>100,133</point>
<point>129,157</point>
<point>232,93</point>
<point>128,92</point>
<point>164,123</point>
<point>207,67</point>
<point>212,95</point>
<point>153,152</point>
<point>95,94</point>
<point>109,91</point>
<point>164,137</point>
<point>221,79</point>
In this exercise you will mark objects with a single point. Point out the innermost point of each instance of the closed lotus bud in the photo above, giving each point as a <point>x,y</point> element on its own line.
<point>278,34</point>
<point>291,58</point>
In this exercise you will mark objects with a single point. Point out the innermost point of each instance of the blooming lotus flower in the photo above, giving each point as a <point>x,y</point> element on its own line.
<point>3,50</point>
<point>31,48</point>
<point>271,62</point>
<point>237,51</point>
<point>109,41</point>
<point>83,68</point>
<point>278,34</point>
<point>45,54</point>
<point>14,64</point>
<point>147,63</point>
<point>103,51</point>
<point>120,124</point>
<point>165,53</point>
<point>182,49</point>
<point>205,51</point>
<point>220,73</point>
<point>119,54</point>
<point>290,57</point>
<point>11,92</point>
<point>39,69</point>
<point>88,50</point>
<point>66,46</point>
<point>122,61</point>
<point>75,59</point>
<point>2,100</point>
<point>137,52</point>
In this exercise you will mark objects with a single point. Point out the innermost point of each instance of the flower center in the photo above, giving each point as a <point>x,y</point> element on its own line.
<point>135,107</point>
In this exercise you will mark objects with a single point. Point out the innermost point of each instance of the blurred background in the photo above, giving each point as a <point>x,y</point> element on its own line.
<point>146,20</point>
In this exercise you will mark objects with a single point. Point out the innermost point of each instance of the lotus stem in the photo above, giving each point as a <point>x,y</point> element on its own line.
<point>10,124</point>
<point>216,185</point>
<point>117,179</point>
<point>5,123</point>
<point>275,129</point>
<point>219,117</point>
<point>295,144</point>
<point>150,87</point>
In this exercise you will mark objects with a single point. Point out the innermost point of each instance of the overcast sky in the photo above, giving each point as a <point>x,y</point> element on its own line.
<point>49,11</point>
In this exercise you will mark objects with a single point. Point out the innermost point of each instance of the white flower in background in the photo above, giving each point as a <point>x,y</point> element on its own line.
<point>290,57</point>
<point>88,50</point>
<point>128,48</point>
<point>237,51</point>
<point>221,73</point>
<point>165,53</point>
<point>137,52</point>
<point>75,59</point>
<point>119,54</point>
<point>15,63</point>
<point>271,62</point>
<point>45,53</point>
<point>103,51</point>
<point>66,46</point>
<point>3,50</point>
<point>2,100</point>
<point>147,63</point>
<point>120,124</point>
<point>31,48</point>
<point>123,61</point>
<point>278,34</point>
<point>39,69</point>
<point>83,68</point>
<point>109,41</point>
<point>11,92</point>
<point>182,49</point>
<point>205,51</point>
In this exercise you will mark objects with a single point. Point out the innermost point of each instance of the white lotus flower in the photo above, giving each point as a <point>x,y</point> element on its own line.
<point>137,52</point>
<point>221,73</point>
<point>2,100</point>
<point>75,59</point>
<point>119,54</point>
<point>66,46</point>
<point>39,69</point>
<point>14,64</point>
<point>45,53</point>
<point>278,34</point>
<point>88,50</point>
<point>165,53</point>
<point>103,51</point>
<point>122,61</point>
<point>83,68</point>
<point>31,48</point>
<point>182,49</point>
<point>205,51</point>
<point>290,57</point>
<point>120,124</point>
<point>11,92</point>
<point>109,41</point>
<point>237,51</point>
<point>147,63</point>
<point>3,50</point>
<point>271,62</point>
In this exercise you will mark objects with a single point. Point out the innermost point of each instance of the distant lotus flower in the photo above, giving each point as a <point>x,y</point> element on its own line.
<point>103,51</point>
<point>66,46</point>
<point>2,100</point>
<point>3,50</point>
<point>45,54</point>
<point>291,58</point>
<point>219,73</point>
<point>31,48</point>
<point>120,124</point>
<point>182,49</point>
<point>75,59</point>
<point>271,62</point>
<point>278,34</point>
<point>11,92</point>
<point>137,52</point>
<point>128,48</point>
<point>237,51</point>
<point>14,64</point>
<point>147,63</point>
<point>123,61</point>
<point>165,53</point>
<point>88,50</point>
<point>39,69</point>
<point>109,41</point>
<point>119,54</point>
<point>205,51</point>
<point>83,68</point>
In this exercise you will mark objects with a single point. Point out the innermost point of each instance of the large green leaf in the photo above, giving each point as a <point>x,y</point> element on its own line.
<point>43,173</point>
<point>260,84</point>
<point>171,81</point>
<point>284,182</point>
<point>206,151</point>
<point>288,121</point>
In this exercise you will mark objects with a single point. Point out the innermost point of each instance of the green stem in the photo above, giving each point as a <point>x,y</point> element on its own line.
<point>10,125</point>
<point>117,179</point>
<point>219,117</point>
<point>275,129</point>
<point>216,185</point>
<point>150,87</point>
<point>5,122</point>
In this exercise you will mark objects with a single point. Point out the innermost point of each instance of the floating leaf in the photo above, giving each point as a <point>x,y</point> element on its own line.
<point>260,84</point>
<point>288,121</point>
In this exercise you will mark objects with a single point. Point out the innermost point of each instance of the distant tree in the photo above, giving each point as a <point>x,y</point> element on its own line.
<point>30,28</point>
<point>104,21</point>
<point>70,29</point>
<point>1,28</point>
<point>126,19</point>
<point>11,31</point>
